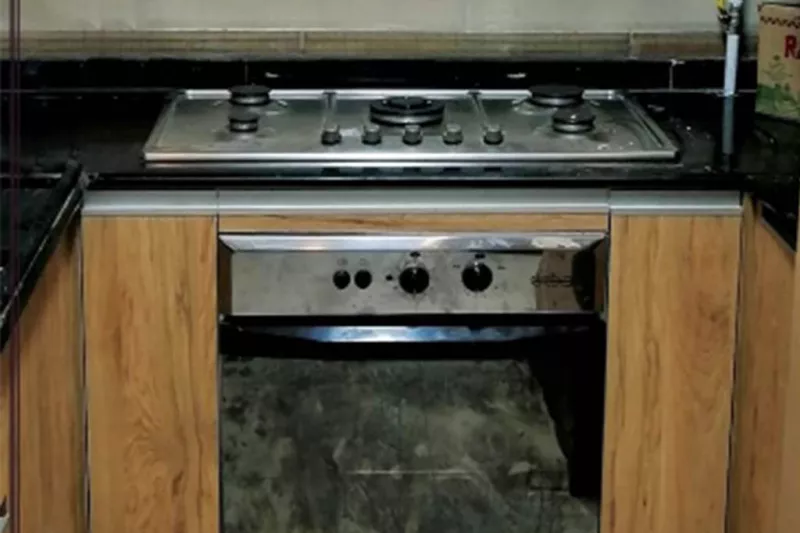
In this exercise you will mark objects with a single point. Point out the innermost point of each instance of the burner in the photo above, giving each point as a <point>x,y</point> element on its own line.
<point>249,95</point>
<point>573,120</point>
<point>556,95</point>
<point>242,121</point>
<point>405,110</point>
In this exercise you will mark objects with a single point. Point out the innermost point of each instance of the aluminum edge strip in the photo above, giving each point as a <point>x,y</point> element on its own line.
<point>150,203</point>
<point>384,200</point>
<point>366,201</point>
<point>718,203</point>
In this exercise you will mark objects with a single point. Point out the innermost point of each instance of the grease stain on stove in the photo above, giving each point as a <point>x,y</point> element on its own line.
<point>311,446</point>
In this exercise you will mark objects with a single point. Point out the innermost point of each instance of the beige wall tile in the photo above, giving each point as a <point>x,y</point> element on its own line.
<point>438,16</point>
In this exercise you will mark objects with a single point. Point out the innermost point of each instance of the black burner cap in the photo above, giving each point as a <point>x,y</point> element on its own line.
<point>574,120</point>
<point>249,95</point>
<point>242,121</point>
<point>556,95</point>
<point>406,110</point>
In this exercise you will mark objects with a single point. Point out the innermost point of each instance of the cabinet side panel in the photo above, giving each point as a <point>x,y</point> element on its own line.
<point>150,318</point>
<point>765,326</point>
<point>671,344</point>
<point>789,485</point>
<point>50,431</point>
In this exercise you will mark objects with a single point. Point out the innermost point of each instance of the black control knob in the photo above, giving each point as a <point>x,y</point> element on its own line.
<point>414,280</point>
<point>493,135</point>
<point>241,120</point>
<point>363,279</point>
<point>331,135</point>
<point>477,277</point>
<point>341,279</point>
<point>412,134</point>
<point>452,134</point>
<point>371,135</point>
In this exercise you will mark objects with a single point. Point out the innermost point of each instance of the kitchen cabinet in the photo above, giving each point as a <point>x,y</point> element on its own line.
<point>150,308</point>
<point>151,368</point>
<point>51,491</point>
<point>762,396</point>
<point>669,375</point>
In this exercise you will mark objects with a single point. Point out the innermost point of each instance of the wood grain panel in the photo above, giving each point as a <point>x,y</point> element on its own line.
<point>789,484</point>
<point>765,328</point>
<point>416,222</point>
<point>671,342</point>
<point>51,443</point>
<point>150,318</point>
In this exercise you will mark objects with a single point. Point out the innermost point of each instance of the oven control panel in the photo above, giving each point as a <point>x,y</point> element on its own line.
<point>294,276</point>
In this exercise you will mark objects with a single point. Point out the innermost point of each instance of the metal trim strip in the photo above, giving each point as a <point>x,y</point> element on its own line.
<point>150,203</point>
<point>403,201</point>
<point>713,203</point>
<point>506,242</point>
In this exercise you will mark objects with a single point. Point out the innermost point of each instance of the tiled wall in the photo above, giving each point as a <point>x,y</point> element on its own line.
<point>405,15</point>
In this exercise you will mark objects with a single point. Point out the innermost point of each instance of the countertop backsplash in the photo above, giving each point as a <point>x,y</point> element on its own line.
<point>386,28</point>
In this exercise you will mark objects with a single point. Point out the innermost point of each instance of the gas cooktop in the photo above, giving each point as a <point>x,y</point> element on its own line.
<point>255,126</point>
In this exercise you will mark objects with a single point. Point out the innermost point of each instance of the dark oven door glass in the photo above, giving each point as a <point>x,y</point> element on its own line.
<point>485,425</point>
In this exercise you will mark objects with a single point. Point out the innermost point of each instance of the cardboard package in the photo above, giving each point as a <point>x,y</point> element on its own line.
<point>779,61</point>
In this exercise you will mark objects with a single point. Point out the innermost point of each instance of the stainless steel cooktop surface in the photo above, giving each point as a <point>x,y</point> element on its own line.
<point>252,125</point>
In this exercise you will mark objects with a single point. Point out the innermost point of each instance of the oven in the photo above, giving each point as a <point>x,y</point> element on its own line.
<point>404,383</point>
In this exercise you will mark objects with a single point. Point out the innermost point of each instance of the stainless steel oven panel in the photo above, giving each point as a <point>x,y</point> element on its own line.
<point>345,275</point>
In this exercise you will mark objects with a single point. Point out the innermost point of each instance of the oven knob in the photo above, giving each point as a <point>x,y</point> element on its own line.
<point>493,134</point>
<point>412,134</point>
<point>371,134</point>
<point>341,279</point>
<point>331,135</point>
<point>242,121</point>
<point>414,280</point>
<point>477,277</point>
<point>452,134</point>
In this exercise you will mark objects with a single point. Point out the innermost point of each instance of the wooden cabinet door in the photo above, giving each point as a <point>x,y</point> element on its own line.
<point>49,435</point>
<point>671,344</point>
<point>151,362</point>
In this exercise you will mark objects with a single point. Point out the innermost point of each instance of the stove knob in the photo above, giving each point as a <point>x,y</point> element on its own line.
<point>477,277</point>
<point>242,121</point>
<point>452,134</point>
<point>371,134</point>
<point>412,135</point>
<point>493,135</point>
<point>331,135</point>
<point>414,280</point>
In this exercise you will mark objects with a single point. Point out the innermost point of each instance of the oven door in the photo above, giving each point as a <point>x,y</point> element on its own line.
<point>447,409</point>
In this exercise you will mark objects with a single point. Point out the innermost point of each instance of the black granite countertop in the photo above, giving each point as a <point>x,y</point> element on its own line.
<point>34,210</point>
<point>106,131</point>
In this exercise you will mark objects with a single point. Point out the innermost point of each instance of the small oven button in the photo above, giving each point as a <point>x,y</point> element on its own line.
<point>341,279</point>
<point>477,277</point>
<point>363,279</point>
<point>414,280</point>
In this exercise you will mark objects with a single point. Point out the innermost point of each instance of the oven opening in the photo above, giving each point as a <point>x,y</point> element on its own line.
<point>424,424</point>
